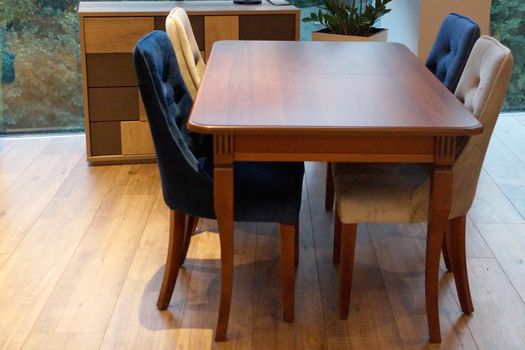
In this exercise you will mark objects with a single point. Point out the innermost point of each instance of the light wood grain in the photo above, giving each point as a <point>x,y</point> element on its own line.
<point>136,138</point>
<point>103,257</point>
<point>69,254</point>
<point>219,28</point>
<point>24,200</point>
<point>119,34</point>
<point>17,155</point>
<point>143,116</point>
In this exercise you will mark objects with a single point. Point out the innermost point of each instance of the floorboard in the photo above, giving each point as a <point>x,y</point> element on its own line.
<point>82,252</point>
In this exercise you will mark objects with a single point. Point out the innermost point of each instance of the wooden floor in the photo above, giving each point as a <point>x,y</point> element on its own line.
<point>82,251</point>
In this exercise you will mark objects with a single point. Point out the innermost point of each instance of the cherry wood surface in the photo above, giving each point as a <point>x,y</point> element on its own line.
<point>324,87</point>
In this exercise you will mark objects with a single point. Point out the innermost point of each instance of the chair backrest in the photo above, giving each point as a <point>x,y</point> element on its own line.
<point>452,47</point>
<point>186,186</point>
<point>482,89</point>
<point>191,64</point>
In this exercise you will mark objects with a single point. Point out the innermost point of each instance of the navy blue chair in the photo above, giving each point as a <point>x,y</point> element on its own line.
<point>451,50</point>
<point>263,192</point>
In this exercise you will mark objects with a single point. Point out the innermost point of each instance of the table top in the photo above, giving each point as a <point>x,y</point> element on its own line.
<point>272,87</point>
<point>161,8</point>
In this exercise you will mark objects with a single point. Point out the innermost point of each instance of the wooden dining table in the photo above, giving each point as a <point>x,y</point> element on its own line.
<point>329,102</point>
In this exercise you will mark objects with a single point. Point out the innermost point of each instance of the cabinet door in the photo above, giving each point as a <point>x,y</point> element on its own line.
<point>267,27</point>
<point>115,34</point>
<point>219,28</point>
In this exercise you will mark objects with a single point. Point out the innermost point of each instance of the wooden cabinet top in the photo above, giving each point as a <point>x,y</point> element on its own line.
<point>162,8</point>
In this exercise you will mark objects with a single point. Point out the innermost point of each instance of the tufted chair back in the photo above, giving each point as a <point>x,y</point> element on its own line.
<point>452,47</point>
<point>186,186</point>
<point>482,89</point>
<point>191,64</point>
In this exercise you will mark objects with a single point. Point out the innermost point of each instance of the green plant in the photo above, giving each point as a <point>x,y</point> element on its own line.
<point>350,17</point>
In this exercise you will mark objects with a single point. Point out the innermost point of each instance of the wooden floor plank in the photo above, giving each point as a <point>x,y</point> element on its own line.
<point>400,251</point>
<point>510,131</point>
<point>491,205</point>
<point>82,250</point>
<point>136,322</point>
<point>24,200</point>
<point>507,241</point>
<point>498,320</point>
<point>86,293</point>
<point>27,279</point>
<point>16,155</point>
<point>505,168</point>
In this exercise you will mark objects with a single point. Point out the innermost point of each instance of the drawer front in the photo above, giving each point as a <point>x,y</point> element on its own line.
<point>113,104</point>
<point>105,138</point>
<point>136,138</point>
<point>267,27</point>
<point>115,34</point>
<point>197,25</point>
<point>219,28</point>
<point>110,70</point>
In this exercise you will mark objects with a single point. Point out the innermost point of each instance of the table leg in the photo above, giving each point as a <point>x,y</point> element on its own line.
<point>439,210</point>
<point>223,203</point>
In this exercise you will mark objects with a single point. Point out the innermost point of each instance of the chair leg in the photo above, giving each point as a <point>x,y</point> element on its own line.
<point>296,231</point>
<point>172,261</point>
<point>287,233</point>
<point>348,239</point>
<point>336,254</point>
<point>446,248</point>
<point>189,229</point>
<point>459,260</point>
<point>329,192</point>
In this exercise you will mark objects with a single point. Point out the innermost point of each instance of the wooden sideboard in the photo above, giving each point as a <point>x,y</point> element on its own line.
<point>117,130</point>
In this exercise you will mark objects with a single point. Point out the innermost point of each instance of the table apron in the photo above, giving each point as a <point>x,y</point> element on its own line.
<point>334,148</point>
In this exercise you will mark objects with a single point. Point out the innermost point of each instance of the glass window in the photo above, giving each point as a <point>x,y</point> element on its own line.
<point>41,82</point>
<point>508,26</point>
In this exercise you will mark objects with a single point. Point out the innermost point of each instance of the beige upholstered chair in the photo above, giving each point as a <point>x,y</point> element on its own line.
<point>187,52</point>
<point>400,192</point>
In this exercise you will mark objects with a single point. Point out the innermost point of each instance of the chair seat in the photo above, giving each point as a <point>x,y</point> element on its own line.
<point>381,193</point>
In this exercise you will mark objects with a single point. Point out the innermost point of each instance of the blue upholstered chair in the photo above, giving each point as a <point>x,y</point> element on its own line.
<point>451,50</point>
<point>268,192</point>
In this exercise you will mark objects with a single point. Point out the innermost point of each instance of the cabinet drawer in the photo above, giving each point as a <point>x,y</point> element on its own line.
<point>113,104</point>
<point>105,138</point>
<point>115,34</point>
<point>110,70</point>
<point>136,138</point>
<point>266,27</point>
<point>197,25</point>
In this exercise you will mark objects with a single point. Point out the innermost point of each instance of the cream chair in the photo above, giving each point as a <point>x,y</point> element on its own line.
<point>189,58</point>
<point>400,192</point>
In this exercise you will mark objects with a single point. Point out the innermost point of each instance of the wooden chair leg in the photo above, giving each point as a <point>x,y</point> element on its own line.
<point>336,254</point>
<point>175,246</point>
<point>296,230</point>
<point>189,229</point>
<point>329,192</point>
<point>287,233</point>
<point>447,257</point>
<point>348,239</point>
<point>459,260</point>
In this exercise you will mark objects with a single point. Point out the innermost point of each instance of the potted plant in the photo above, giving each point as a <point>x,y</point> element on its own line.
<point>350,20</point>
